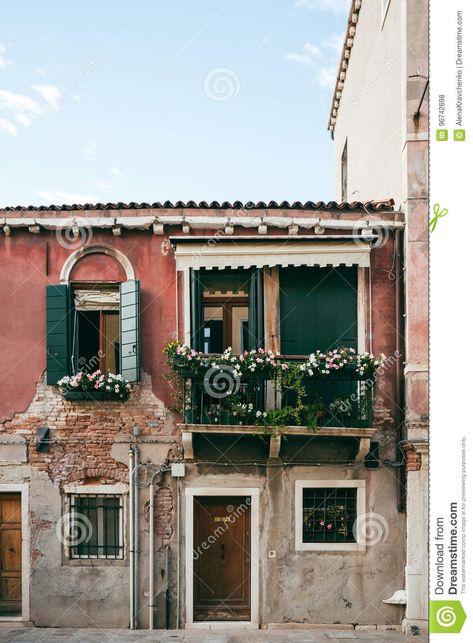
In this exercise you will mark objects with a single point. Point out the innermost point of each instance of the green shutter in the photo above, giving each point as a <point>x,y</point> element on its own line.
<point>58,332</point>
<point>197,311</point>
<point>256,309</point>
<point>318,309</point>
<point>130,349</point>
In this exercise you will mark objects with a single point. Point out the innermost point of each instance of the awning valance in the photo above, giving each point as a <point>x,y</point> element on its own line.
<point>216,253</point>
<point>103,299</point>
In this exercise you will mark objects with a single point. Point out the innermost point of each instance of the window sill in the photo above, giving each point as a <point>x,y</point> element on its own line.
<point>95,562</point>
<point>331,547</point>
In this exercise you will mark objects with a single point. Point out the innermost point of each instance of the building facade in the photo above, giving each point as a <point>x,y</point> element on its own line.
<point>224,483</point>
<point>379,123</point>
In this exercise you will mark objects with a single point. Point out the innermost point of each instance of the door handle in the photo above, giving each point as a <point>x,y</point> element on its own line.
<point>222,551</point>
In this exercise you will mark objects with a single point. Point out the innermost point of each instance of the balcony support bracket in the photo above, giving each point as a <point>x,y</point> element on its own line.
<point>363,449</point>
<point>187,445</point>
<point>274,447</point>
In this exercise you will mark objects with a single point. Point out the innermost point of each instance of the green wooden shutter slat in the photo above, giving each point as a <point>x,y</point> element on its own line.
<point>255,309</point>
<point>197,311</point>
<point>58,332</point>
<point>130,336</point>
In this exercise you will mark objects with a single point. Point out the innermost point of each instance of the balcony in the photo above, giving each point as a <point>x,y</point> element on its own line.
<point>319,395</point>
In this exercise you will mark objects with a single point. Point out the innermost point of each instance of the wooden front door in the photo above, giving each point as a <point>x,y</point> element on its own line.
<point>10,554</point>
<point>222,558</point>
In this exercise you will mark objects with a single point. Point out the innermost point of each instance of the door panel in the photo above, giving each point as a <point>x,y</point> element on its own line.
<point>222,543</point>
<point>10,554</point>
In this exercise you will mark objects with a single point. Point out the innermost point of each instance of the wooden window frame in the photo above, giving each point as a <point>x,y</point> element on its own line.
<point>227,304</point>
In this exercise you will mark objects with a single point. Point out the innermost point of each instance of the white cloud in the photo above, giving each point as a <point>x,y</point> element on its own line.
<point>334,42</point>
<point>326,77</point>
<point>103,185</point>
<point>19,103</point>
<point>50,94</point>
<point>90,150</point>
<point>3,50</point>
<point>311,52</point>
<point>7,126</point>
<point>23,119</point>
<point>303,59</point>
<point>116,172</point>
<point>57,197</point>
<point>335,6</point>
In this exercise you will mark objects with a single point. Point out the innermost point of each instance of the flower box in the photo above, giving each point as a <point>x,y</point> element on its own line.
<point>83,395</point>
<point>95,386</point>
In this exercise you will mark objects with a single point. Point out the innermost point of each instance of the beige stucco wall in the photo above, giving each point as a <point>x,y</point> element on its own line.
<point>370,107</point>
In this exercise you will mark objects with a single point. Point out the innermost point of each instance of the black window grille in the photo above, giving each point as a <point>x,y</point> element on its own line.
<point>328,515</point>
<point>95,526</point>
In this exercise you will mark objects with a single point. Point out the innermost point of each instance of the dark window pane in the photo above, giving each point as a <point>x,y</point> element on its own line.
<point>328,515</point>
<point>96,526</point>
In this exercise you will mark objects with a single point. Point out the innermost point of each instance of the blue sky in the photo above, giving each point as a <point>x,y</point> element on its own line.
<point>168,99</point>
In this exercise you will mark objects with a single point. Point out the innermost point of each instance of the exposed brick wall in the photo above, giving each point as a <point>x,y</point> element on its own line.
<point>413,458</point>
<point>82,432</point>
<point>163,512</point>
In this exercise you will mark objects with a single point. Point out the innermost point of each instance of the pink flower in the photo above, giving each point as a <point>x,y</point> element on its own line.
<point>329,526</point>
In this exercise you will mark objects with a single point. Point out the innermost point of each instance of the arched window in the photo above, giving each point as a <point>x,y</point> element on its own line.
<point>93,315</point>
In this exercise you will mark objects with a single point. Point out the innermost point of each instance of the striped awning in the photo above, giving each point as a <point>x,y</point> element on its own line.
<point>223,254</point>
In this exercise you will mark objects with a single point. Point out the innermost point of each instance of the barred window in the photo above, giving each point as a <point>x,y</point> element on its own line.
<point>328,514</point>
<point>95,526</point>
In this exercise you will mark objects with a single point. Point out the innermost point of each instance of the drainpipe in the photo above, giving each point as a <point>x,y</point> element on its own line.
<point>151,603</point>
<point>400,396</point>
<point>151,556</point>
<point>136,461</point>
<point>131,508</point>
<point>178,555</point>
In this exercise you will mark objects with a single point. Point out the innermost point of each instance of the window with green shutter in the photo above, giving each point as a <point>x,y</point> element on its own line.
<point>58,332</point>
<point>93,327</point>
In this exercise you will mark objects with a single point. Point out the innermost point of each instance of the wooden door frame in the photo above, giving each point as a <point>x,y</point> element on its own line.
<point>252,492</point>
<point>23,489</point>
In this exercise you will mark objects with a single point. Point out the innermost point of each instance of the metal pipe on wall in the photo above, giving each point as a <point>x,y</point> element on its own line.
<point>151,556</point>
<point>400,352</point>
<point>131,514</point>
<point>136,462</point>
<point>178,554</point>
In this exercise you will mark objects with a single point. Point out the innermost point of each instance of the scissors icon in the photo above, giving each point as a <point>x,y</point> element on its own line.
<point>438,214</point>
